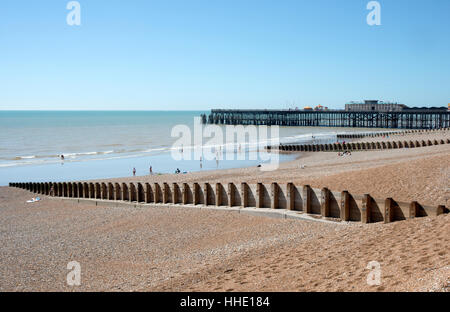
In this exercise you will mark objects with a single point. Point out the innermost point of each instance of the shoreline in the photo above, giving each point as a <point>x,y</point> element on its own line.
<point>419,174</point>
<point>108,164</point>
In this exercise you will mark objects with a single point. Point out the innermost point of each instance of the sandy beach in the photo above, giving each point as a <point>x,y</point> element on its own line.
<point>177,249</point>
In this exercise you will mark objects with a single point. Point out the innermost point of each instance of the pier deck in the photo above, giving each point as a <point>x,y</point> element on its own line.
<point>407,119</point>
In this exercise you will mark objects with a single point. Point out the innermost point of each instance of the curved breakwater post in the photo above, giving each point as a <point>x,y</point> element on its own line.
<point>132,194</point>
<point>59,188</point>
<point>111,193</point>
<point>103,191</point>
<point>338,206</point>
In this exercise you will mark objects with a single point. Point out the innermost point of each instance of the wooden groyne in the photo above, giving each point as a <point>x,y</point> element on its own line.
<point>425,118</point>
<point>362,146</point>
<point>356,146</point>
<point>386,133</point>
<point>274,197</point>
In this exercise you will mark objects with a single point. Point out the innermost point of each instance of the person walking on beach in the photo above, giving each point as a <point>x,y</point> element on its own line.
<point>134,172</point>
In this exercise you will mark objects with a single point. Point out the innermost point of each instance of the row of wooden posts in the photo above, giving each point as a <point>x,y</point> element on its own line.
<point>385,133</point>
<point>356,146</point>
<point>339,206</point>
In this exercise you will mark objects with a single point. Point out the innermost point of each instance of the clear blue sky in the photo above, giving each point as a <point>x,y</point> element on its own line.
<point>197,55</point>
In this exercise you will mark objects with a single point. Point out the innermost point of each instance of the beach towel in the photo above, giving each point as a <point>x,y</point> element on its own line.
<point>33,200</point>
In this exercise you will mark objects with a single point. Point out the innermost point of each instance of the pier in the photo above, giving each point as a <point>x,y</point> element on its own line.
<point>405,118</point>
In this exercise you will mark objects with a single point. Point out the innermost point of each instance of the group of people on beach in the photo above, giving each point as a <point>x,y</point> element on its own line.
<point>346,153</point>
<point>150,170</point>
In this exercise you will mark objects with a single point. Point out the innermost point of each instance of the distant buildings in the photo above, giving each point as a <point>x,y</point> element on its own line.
<point>376,106</point>
<point>317,108</point>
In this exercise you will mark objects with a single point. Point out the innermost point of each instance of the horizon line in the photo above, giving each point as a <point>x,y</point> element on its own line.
<point>102,110</point>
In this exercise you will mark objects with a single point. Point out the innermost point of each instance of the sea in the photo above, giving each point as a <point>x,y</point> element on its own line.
<point>109,144</point>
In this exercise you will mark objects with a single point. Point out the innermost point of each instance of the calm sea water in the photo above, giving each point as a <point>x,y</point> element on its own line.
<point>106,144</point>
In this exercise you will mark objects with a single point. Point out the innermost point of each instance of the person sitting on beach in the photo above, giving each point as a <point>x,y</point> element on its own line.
<point>177,171</point>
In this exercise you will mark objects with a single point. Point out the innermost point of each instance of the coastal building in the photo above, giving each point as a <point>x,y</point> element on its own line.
<point>374,106</point>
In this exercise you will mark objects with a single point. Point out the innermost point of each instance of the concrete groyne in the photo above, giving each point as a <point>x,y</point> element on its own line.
<point>338,206</point>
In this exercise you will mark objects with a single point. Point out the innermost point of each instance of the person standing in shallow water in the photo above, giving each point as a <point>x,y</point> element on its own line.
<point>134,172</point>
<point>151,170</point>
